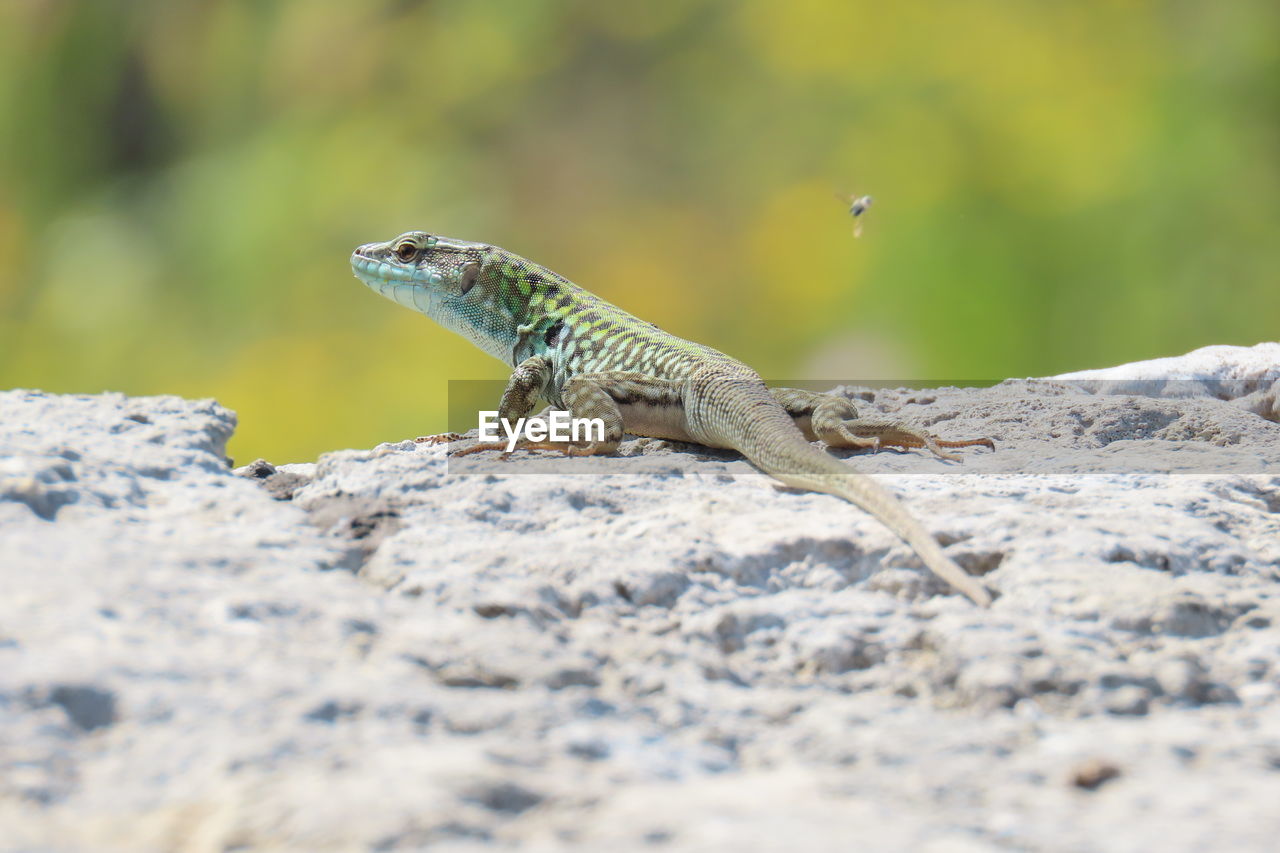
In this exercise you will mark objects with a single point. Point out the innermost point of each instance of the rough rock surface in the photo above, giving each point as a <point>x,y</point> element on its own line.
<point>387,650</point>
<point>1249,377</point>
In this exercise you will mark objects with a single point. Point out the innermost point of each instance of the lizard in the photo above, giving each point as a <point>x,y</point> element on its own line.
<point>581,353</point>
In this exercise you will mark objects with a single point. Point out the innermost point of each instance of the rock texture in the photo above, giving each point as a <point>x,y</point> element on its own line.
<point>389,650</point>
<point>1248,377</point>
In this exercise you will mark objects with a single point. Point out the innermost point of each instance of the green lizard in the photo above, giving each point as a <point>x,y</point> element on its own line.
<point>581,353</point>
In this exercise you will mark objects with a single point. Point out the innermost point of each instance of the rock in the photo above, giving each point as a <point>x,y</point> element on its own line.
<point>1249,377</point>
<point>388,648</point>
<point>1093,774</point>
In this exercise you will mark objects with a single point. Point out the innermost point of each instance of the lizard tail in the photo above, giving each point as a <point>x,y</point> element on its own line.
<point>775,446</point>
<point>861,490</point>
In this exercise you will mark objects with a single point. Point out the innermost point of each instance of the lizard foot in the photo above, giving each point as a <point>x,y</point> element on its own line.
<point>591,448</point>
<point>932,444</point>
<point>480,447</point>
<point>442,438</point>
<point>881,435</point>
<point>968,442</point>
<point>524,444</point>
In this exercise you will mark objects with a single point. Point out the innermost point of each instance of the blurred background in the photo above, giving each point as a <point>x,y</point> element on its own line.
<point>1057,186</point>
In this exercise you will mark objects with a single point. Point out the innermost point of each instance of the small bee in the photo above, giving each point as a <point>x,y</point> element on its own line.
<point>857,206</point>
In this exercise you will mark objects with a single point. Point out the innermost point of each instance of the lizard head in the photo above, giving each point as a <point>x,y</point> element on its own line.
<point>454,282</point>
<point>417,268</point>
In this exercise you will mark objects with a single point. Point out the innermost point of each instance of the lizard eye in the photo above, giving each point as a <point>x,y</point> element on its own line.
<point>406,251</point>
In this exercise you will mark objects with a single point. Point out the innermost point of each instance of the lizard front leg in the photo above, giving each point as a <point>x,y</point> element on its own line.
<point>656,406</point>
<point>526,384</point>
<point>835,422</point>
<point>587,396</point>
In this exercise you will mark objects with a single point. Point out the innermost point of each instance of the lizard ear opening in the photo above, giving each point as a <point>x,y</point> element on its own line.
<point>470,273</point>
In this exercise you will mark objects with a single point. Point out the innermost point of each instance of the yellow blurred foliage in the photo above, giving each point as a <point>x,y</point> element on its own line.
<point>1056,186</point>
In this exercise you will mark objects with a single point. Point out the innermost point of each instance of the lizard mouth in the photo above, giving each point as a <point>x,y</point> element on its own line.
<point>373,271</point>
<point>392,281</point>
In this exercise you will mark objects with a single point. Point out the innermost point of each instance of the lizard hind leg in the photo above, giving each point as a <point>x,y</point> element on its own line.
<point>837,430</point>
<point>887,433</point>
<point>835,422</point>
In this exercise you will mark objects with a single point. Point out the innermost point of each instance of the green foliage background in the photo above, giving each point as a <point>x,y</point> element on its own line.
<point>1058,186</point>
